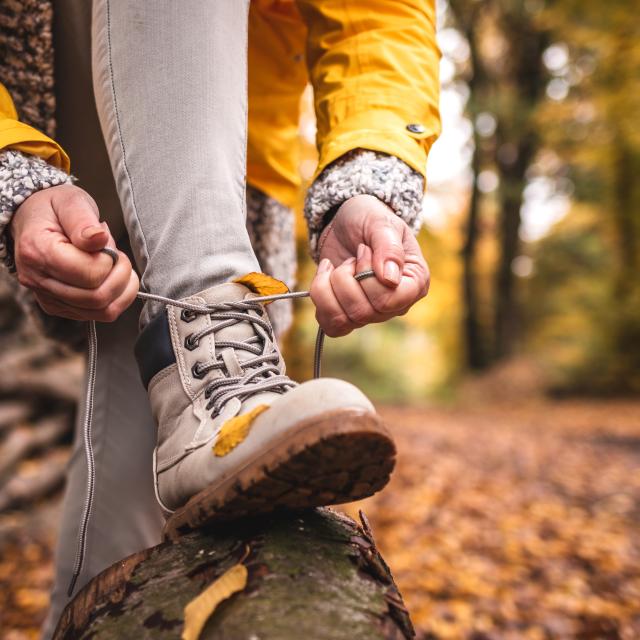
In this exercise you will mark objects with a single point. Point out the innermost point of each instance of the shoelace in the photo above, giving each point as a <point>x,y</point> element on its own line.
<point>220,391</point>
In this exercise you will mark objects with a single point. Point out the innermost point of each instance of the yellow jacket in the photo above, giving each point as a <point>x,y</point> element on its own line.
<point>373,65</point>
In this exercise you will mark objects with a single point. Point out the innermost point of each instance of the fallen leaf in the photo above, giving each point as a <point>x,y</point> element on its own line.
<point>200,609</point>
<point>262,284</point>
<point>235,430</point>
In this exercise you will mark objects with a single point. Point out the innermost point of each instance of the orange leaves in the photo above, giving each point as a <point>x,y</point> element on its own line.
<point>262,284</point>
<point>515,521</point>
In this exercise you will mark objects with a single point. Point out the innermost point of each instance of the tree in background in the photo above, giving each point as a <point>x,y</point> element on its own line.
<point>585,295</point>
<point>506,77</point>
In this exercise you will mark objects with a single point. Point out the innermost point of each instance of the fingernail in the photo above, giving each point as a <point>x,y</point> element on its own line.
<point>91,232</point>
<point>391,271</point>
<point>324,266</point>
<point>360,252</point>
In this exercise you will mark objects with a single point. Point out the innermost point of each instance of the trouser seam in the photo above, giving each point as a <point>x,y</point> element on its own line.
<point>139,229</point>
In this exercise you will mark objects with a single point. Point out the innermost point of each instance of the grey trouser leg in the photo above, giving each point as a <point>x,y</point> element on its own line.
<point>125,516</point>
<point>174,116</point>
<point>170,82</point>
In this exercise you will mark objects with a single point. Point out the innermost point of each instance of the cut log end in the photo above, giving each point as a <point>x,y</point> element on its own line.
<point>313,574</point>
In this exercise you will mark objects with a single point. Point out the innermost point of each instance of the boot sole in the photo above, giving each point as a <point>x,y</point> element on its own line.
<point>343,456</point>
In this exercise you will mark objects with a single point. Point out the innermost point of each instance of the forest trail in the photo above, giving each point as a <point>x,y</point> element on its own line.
<point>503,520</point>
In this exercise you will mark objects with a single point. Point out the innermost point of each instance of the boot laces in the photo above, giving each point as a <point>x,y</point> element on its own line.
<point>266,376</point>
<point>261,373</point>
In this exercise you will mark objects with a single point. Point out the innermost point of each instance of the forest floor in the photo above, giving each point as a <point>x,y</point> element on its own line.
<point>503,520</point>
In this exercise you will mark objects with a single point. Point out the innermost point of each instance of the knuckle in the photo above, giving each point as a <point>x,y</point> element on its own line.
<point>380,304</point>
<point>74,199</point>
<point>334,332</point>
<point>337,320</point>
<point>25,280</point>
<point>100,298</point>
<point>95,276</point>
<point>27,253</point>
<point>360,314</point>
<point>111,313</point>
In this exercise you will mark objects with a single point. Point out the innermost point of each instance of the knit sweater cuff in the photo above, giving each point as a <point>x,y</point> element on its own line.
<point>363,172</point>
<point>21,175</point>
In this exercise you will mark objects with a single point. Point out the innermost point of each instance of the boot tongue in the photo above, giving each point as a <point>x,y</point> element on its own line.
<point>238,332</point>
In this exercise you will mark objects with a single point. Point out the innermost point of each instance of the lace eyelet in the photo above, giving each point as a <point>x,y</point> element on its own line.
<point>187,315</point>
<point>196,372</point>
<point>190,343</point>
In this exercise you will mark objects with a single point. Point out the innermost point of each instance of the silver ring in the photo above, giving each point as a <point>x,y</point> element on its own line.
<point>112,253</point>
<point>364,274</point>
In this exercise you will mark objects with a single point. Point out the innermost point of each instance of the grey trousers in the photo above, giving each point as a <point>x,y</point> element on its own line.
<point>162,150</point>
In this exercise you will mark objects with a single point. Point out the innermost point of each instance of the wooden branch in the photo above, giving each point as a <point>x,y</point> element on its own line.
<point>312,575</point>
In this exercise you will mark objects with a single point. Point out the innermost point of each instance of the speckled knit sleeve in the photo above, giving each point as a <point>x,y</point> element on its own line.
<point>20,176</point>
<point>363,172</point>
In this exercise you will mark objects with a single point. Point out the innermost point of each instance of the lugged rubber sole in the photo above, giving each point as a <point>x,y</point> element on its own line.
<point>342,456</point>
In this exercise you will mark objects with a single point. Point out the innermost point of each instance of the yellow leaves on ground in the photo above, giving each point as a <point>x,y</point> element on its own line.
<point>262,284</point>
<point>515,520</point>
<point>235,430</point>
<point>199,610</point>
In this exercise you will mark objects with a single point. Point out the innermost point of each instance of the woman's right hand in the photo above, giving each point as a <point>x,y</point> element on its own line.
<point>57,241</point>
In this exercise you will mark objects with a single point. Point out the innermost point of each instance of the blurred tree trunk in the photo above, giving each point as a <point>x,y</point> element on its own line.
<point>474,343</point>
<point>516,145</point>
<point>626,288</point>
<point>474,340</point>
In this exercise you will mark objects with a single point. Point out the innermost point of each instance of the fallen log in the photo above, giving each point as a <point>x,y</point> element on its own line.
<point>312,575</point>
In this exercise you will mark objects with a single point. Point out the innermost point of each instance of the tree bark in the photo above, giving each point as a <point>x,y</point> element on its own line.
<point>475,351</point>
<point>474,343</point>
<point>517,144</point>
<point>313,574</point>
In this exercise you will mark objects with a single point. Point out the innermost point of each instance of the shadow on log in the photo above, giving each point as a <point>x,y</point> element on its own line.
<point>313,575</point>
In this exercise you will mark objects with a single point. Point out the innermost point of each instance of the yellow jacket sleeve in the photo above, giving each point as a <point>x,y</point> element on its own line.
<point>17,135</point>
<point>277,79</point>
<point>374,69</point>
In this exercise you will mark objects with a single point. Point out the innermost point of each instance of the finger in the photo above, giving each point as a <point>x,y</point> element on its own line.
<point>55,307</point>
<point>70,265</point>
<point>79,218</point>
<point>385,301</point>
<point>329,314</point>
<point>388,251</point>
<point>392,302</point>
<point>351,296</point>
<point>84,298</point>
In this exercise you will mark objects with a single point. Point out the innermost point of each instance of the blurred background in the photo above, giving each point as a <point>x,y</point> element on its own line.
<point>513,390</point>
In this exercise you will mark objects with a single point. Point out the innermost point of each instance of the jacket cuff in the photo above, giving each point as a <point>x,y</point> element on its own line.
<point>363,172</point>
<point>21,175</point>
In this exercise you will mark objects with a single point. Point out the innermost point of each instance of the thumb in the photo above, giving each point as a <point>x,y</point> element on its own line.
<point>78,216</point>
<point>388,254</point>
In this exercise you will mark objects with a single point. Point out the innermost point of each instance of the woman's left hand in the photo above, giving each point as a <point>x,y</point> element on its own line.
<point>366,234</point>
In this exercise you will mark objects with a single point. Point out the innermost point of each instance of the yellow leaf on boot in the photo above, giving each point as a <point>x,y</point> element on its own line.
<point>235,430</point>
<point>199,610</point>
<point>262,284</point>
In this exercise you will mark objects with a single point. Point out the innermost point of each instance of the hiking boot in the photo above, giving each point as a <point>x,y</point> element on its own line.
<point>236,436</point>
